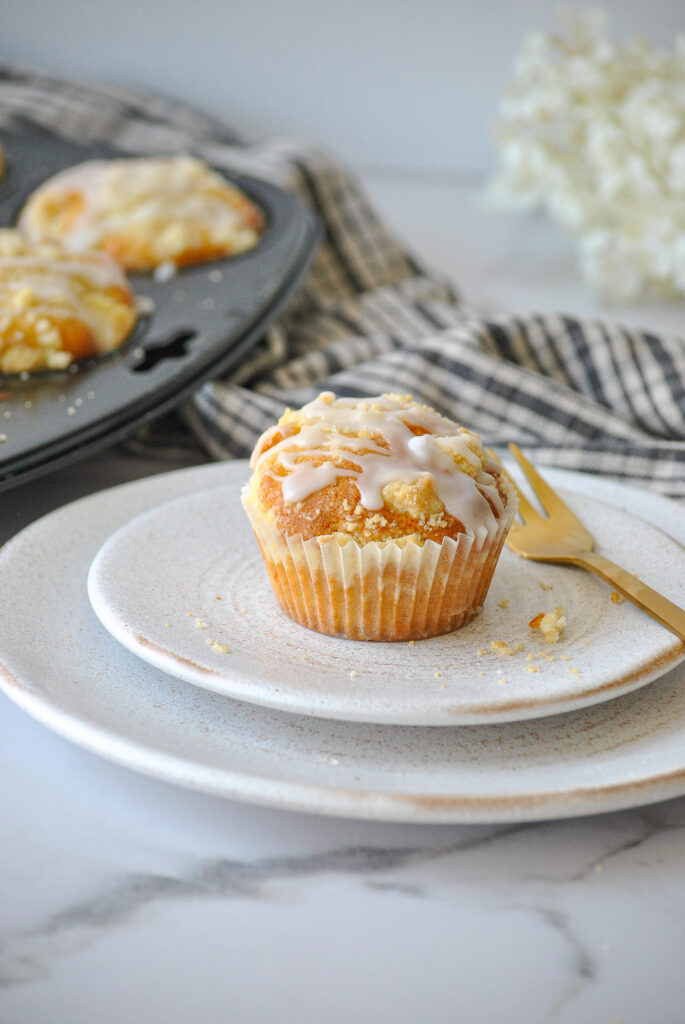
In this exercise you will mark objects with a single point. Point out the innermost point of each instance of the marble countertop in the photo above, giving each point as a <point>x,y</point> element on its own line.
<point>124,899</point>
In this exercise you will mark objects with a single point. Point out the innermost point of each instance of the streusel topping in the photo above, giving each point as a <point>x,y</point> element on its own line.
<point>376,469</point>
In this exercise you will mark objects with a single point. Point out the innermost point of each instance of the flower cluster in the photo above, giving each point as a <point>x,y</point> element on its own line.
<point>594,133</point>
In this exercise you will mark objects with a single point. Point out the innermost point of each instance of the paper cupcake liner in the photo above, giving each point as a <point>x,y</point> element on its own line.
<point>396,590</point>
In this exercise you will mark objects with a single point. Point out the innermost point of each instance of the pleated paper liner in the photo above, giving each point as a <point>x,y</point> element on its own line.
<point>394,590</point>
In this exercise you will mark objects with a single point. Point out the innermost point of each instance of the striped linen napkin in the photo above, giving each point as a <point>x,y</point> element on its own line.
<point>587,395</point>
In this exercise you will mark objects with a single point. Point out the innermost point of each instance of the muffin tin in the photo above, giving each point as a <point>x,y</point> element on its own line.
<point>196,325</point>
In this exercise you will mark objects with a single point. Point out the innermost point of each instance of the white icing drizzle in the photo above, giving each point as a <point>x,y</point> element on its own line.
<point>51,278</point>
<point>96,270</point>
<point>333,427</point>
<point>171,195</point>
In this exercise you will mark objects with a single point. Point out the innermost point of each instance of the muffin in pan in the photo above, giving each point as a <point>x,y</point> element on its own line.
<point>58,307</point>
<point>378,519</point>
<point>144,212</point>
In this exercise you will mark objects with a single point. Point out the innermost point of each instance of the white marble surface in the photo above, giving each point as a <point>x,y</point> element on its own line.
<point>123,899</point>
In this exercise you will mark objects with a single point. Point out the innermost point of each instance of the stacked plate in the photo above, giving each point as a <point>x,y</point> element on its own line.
<point>143,627</point>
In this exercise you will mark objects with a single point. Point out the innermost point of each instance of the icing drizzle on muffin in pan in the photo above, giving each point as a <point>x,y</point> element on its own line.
<point>144,211</point>
<point>57,307</point>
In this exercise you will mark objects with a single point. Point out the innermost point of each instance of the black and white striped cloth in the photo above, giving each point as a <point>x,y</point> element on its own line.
<point>582,394</point>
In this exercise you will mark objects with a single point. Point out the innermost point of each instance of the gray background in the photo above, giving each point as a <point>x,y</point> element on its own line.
<point>390,84</point>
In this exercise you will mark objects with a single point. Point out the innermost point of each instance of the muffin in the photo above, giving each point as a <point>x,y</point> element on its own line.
<point>378,519</point>
<point>144,212</point>
<point>57,307</point>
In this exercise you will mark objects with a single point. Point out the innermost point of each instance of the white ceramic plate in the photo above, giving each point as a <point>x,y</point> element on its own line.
<point>60,665</point>
<point>188,575</point>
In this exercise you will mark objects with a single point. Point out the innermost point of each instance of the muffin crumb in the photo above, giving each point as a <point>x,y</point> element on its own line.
<point>551,624</point>
<point>219,648</point>
<point>504,649</point>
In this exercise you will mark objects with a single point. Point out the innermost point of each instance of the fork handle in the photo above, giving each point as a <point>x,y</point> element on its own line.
<point>659,607</point>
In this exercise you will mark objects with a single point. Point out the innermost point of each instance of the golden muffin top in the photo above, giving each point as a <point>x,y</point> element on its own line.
<point>144,211</point>
<point>57,306</point>
<point>375,469</point>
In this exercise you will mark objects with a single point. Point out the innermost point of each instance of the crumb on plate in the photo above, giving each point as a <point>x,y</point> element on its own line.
<point>504,649</point>
<point>219,648</point>
<point>551,624</point>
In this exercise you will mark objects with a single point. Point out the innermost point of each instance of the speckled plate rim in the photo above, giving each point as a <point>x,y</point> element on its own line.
<point>429,806</point>
<point>390,700</point>
<point>370,805</point>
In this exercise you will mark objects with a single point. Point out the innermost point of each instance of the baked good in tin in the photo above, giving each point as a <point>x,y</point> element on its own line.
<point>58,307</point>
<point>378,519</point>
<point>145,212</point>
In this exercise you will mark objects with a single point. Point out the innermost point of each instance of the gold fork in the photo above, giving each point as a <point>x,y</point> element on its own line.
<point>561,537</point>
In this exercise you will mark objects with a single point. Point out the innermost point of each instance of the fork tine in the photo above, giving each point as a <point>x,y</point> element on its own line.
<point>548,497</point>
<point>526,510</point>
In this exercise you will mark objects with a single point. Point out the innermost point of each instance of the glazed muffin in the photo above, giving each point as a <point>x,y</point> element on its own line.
<point>378,519</point>
<point>144,212</point>
<point>57,307</point>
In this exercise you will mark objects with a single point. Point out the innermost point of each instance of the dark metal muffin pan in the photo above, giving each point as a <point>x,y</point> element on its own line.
<point>201,323</point>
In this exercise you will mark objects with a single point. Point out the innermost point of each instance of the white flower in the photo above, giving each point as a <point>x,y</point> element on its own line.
<point>594,133</point>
